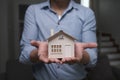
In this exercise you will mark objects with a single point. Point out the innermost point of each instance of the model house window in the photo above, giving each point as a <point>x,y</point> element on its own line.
<point>85,3</point>
<point>56,48</point>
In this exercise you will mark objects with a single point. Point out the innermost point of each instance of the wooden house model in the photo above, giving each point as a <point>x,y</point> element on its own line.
<point>60,45</point>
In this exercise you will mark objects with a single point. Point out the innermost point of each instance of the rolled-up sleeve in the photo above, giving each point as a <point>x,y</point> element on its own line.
<point>89,35</point>
<point>25,54</point>
<point>29,33</point>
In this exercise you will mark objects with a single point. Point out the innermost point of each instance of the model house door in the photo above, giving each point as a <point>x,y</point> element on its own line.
<point>68,50</point>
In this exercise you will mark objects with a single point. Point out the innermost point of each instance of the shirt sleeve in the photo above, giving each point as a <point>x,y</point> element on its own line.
<point>29,33</point>
<point>89,35</point>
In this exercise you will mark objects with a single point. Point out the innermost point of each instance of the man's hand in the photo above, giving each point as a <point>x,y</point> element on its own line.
<point>80,54</point>
<point>43,52</point>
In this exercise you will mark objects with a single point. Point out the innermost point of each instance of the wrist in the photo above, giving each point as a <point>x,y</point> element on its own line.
<point>85,58</point>
<point>34,56</point>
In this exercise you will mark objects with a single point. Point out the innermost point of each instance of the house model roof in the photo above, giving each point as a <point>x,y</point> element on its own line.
<point>59,33</point>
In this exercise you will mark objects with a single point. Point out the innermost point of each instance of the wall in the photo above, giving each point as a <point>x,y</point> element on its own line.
<point>3,35</point>
<point>109,17</point>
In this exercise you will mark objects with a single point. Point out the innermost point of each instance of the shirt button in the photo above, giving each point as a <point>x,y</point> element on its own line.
<point>58,23</point>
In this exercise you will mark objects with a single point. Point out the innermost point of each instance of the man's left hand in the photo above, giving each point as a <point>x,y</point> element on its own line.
<point>79,53</point>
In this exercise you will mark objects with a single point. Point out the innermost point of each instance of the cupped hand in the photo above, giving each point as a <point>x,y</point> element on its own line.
<point>79,50</point>
<point>43,52</point>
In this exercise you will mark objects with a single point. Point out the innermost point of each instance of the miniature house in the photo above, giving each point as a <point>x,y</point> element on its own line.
<point>60,45</point>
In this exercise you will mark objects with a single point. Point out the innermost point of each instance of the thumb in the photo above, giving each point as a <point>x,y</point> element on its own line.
<point>89,45</point>
<point>35,43</point>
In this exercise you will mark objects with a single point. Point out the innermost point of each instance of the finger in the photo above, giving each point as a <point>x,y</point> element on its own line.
<point>68,59</point>
<point>89,45</point>
<point>57,60</point>
<point>35,43</point>
<point>63,60</point>
<point>46,60</point>
<point>52,60</point>
<point>74,60</point>
<point>44,43</point>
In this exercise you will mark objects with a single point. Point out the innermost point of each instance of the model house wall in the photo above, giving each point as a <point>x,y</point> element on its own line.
<point>61,46</point>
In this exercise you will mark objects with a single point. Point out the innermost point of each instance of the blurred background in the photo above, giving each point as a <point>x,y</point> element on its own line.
<point>107,14</point>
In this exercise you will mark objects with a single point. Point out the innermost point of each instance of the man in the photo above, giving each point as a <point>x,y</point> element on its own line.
<point>73,19</point>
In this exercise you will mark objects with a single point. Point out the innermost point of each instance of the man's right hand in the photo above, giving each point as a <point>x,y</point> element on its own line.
<point>42,52</point>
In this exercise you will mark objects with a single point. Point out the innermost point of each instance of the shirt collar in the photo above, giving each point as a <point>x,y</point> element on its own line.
<point>46,5</point>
